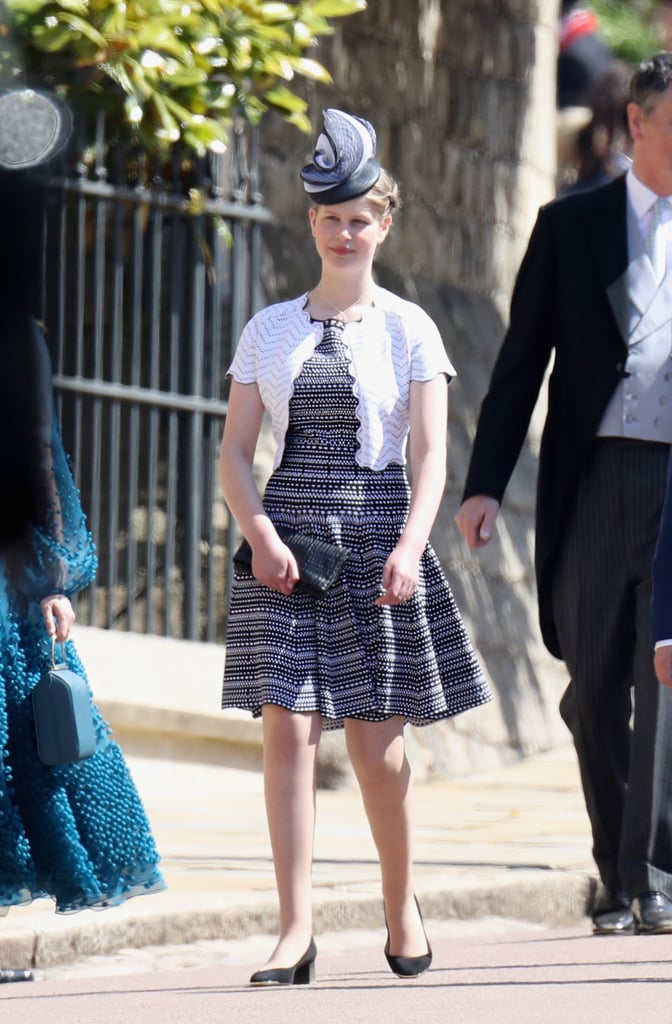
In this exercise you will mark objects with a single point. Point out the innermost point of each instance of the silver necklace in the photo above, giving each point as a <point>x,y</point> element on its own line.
<point>341,312</point>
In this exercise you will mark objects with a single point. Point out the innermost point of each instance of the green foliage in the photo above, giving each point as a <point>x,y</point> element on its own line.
<point>630,27</point>
<point>170,70</point>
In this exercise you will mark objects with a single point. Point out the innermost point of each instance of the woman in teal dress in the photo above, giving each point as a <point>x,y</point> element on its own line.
<point>75,833</point>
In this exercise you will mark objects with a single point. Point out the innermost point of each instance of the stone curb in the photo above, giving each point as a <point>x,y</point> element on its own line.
<point>557,899</point>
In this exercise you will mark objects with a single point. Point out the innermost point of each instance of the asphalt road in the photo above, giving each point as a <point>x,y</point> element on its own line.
<point>497,972</point>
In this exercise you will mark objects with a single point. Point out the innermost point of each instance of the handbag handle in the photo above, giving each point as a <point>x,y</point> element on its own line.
<point>63,663</point>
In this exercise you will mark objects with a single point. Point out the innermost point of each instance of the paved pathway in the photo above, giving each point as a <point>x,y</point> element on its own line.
<point>512,844</point>
<point>522,976</point>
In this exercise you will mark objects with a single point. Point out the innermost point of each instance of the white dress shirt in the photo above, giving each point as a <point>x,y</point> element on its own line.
<point>642,200</point>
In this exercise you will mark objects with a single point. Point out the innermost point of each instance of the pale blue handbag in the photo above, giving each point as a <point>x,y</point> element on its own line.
<point>63,712</point>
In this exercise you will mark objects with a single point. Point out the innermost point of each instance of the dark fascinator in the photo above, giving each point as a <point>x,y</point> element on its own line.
<point>344,164</point>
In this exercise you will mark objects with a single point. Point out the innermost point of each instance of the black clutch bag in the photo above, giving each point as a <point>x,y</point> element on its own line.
<point>63,713</point>
<point>319,561</point>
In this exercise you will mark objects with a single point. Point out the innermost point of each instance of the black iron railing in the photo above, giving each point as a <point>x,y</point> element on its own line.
<point>149,276</point>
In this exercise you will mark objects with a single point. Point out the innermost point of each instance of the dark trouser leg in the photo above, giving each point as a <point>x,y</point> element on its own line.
<point>601,594</point>
<point>646,841</point>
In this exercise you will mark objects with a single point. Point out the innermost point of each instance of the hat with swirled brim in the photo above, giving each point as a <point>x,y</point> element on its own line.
<point>343,165</point>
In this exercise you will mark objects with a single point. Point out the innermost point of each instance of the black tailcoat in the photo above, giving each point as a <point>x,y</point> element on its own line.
<point>570,301</point>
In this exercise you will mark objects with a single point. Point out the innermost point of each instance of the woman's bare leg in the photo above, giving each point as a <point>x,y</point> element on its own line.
<point>290,757</point>
<point>378,755</point>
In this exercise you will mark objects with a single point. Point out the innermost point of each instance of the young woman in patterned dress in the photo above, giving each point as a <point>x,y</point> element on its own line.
<point>347,372</point>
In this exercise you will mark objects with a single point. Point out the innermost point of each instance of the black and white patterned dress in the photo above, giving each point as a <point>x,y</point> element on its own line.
<point>342,655</point>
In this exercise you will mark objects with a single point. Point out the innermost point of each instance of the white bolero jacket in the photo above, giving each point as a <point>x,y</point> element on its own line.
<point>394,343</point>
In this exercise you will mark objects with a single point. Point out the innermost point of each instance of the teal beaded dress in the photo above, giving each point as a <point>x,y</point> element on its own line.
<point>76,833</point>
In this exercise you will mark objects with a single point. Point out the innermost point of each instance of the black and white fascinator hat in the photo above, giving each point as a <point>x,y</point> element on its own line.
<point>343,165</point>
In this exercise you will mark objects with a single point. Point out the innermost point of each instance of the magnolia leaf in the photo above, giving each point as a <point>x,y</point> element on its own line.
<point>53,39</point>
<point>196,203</point>
<point>76,6</point>
<point>337,8</point>
<point>276,66</point>
<point>312,69</point>
<point>281,97</point>
<point>26,6</point>
<point>300,121</point>
<point>223,231</point>
<point>277,12</point>
<point>131,77</point>
<point>183,77</point>
<point>53,9</point>
<point>169,130</point>
<point>182,113</point>
<point>133,109</point>
<point>85,27</point>
<point>175,70</point>
<point>156,36</point>
<point>113,21</point>
<point>120,75</point>
<point>209,133</point>
<point>266,34</point>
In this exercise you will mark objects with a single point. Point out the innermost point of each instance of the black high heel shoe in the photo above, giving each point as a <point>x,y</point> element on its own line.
<point>408,966</point>
<point>302,973</point>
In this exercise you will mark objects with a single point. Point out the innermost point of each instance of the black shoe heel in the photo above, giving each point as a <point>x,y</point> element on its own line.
<point>408,966</point>
<point>305,974</point>
<point>302,972</point>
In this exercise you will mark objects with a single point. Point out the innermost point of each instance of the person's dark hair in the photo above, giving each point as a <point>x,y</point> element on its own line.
<point>650,80</point>
<point>606,134</point>
<point>22,200</point>
<point>21,412</point>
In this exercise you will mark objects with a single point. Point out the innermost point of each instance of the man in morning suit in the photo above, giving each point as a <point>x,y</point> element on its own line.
<point>595,292</point>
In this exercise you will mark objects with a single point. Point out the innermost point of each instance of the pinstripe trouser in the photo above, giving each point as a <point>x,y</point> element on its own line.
<point>619,715</point>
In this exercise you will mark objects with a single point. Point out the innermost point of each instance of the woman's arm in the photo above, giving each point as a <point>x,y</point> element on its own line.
<point>428,412</point>
<point>272,562</point>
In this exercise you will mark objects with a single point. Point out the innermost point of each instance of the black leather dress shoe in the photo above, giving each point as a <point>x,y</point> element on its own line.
<point>653,913</point>
<point>7,974</point>
<point>612,915</point>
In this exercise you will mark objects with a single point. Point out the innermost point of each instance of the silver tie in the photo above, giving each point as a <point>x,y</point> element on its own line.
<point>655,239</point>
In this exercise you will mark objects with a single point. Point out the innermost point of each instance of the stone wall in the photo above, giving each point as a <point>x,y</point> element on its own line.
<point>461,93</point>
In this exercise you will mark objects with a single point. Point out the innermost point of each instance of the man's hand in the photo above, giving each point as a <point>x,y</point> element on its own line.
<point>476,519</point>
<point>662,663</point>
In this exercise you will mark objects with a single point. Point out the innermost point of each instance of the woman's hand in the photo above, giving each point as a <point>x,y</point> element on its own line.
<point>428,413</point>
<point>58,615</point>
<point>274,565</point>
<point>400,574</point>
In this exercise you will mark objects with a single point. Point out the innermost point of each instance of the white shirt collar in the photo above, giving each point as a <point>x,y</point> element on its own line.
<point>641,196</point>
